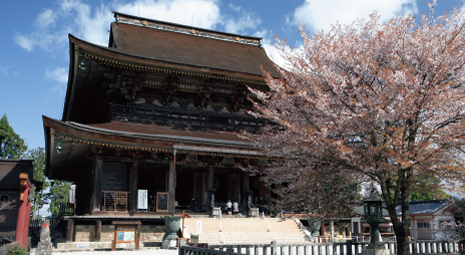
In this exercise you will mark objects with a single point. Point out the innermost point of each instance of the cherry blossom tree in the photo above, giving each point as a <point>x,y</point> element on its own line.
<point>368,102</point>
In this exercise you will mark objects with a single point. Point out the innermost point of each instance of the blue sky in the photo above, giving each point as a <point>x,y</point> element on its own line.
<point>34,55</point>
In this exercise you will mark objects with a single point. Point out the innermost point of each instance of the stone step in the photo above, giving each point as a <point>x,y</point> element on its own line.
<point>245,230</point>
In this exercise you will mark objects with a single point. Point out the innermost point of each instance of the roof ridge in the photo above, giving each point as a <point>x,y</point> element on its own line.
<point>184,29</point>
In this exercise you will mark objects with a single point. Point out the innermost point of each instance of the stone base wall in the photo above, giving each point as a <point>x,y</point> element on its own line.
<point>104,245</point>
<point>84,233</point>
<point>148,233</point>
<point>107,234</point>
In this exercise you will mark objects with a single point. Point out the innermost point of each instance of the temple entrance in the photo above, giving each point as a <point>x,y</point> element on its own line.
<point>220,183</point>
<point>152,178</point>
<point>184,189</point>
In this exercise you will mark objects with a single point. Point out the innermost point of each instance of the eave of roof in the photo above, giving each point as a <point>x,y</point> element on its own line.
<point>148,135</point>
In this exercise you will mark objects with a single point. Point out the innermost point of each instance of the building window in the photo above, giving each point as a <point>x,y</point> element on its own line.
<point>423,225</point>
<point>4,198</point>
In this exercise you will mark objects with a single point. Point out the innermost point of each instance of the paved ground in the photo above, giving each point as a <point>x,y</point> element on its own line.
<point>144,252</point>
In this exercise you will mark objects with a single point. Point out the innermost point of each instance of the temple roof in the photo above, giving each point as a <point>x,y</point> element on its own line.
<point>10,170</point>
<point>190,48</point>
<point>76,140</point>
<point>147,47</point>
<point>424,207</point>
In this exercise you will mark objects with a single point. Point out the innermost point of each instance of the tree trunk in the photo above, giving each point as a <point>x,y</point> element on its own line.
<point>403,245</point>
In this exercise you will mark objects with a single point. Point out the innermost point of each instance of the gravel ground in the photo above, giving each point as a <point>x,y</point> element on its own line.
<point>141,252</point>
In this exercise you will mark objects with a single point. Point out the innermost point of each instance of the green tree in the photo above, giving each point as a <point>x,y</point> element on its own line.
<point>58,194</point>
<point>11,145</point>
<point>426,187</point>
<point>40,198</point>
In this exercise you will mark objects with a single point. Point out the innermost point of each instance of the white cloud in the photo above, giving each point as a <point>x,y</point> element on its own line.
<point>245,20</point>
<point>60,75</point>
<point>92,24</point>
<point>199,13</point>
<point>271,50</point>
<point>45,19</point>
<point>320,14</point>
<point>24,41</point>
<point>4,69</point>
<point>44,211</point>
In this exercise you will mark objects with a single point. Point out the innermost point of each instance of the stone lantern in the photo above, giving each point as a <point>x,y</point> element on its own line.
<point>373,214</point>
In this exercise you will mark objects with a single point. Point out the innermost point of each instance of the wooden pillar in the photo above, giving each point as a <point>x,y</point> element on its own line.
<point>133,179</point>
<point>98,230</point>
<point>210,176</point>
<point>245,188</point>
<point>70,230</point>
<point>137,237</point>
<point>171,184</point>
<point>98,165</point>
<point>204,200</point>
<point>322,229</point>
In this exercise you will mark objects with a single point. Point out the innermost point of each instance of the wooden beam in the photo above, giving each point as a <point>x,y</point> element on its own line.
<point>98,165</point>
<point>133,180</point>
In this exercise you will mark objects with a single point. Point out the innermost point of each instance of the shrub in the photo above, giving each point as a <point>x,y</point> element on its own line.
<point>18,250</point>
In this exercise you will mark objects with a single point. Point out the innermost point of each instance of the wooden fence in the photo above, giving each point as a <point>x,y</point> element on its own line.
<point>347,248</point>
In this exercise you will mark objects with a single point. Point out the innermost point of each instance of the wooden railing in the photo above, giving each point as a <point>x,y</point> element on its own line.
<point>65,209</point>
<point>114,201</point>
<point>347,248</point>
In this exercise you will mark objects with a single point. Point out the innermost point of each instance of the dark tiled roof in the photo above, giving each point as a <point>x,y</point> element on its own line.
<point>189,49</point>
<point>163,133</point>
<point>10,170</point>
<point>424,207</point>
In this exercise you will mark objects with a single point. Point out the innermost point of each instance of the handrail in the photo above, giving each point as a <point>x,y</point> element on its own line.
<point>304,229</point>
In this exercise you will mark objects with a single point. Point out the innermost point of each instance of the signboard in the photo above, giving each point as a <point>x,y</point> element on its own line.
<point>199,228</point>
<point>142,199</point>
<point>162,201</point>
<point>72,194</point>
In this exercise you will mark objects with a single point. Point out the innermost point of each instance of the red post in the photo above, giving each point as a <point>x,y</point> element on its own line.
<point>22,225</point>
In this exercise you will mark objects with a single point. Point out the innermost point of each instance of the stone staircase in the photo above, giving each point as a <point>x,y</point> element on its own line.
<point>245,230</point>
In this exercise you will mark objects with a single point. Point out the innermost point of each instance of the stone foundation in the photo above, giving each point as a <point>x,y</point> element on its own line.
<point>85,233</point>
<point>151,235</point>
<point>104,245</point>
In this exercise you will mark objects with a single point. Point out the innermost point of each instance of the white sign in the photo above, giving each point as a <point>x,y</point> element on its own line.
<point>142,199</point>
<point>72,194</point>
<point>199,227</point>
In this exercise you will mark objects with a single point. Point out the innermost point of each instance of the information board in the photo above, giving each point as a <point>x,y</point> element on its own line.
<point>162,201</point>
<point>142,199</point>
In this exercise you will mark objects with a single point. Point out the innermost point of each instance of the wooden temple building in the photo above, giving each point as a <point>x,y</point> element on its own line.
<point>151,122</point>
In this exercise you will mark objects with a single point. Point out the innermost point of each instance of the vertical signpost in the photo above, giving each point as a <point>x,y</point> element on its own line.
<point>142,204</point>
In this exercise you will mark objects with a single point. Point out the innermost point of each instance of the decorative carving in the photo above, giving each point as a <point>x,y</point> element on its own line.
<point>191,158</point>
<point>228,161</point>
<point>8,205</point>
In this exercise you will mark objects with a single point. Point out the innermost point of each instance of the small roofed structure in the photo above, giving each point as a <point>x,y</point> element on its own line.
<point>16,190</point>
<point>425,217</point>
